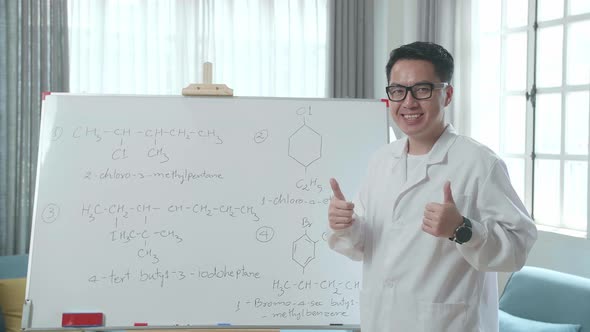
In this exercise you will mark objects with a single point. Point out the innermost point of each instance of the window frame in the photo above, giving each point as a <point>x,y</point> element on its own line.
<point>531,91</point>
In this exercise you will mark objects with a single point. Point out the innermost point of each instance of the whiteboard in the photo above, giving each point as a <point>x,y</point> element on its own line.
<point>178,211</point>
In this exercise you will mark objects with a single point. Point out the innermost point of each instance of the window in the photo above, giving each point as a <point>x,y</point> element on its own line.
<point>257,47</point>
<point>531,102</point>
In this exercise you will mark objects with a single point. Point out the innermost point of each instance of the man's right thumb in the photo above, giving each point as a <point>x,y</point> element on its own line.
<point>336,189</point>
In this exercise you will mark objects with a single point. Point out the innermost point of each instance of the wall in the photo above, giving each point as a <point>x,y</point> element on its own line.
<point>562,253</point>
<point>557,252</point>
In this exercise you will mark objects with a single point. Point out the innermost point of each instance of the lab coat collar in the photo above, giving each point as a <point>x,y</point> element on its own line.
<point>439,150</point>
<point>437,154</point>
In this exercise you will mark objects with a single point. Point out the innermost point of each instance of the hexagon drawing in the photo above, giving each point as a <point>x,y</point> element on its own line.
<point>305,145</point>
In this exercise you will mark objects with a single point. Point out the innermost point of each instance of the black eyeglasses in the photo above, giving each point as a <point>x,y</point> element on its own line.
<point>420,91</point>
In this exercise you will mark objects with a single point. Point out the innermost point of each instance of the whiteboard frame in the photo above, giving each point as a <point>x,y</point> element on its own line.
<point>29,305</point>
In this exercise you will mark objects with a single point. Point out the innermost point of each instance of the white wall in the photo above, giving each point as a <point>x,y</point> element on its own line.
<point>557,252</point>
<point>393,27</point>
<point>562,253</point>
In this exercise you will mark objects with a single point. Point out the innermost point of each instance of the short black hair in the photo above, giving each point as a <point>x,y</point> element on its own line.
<point>437,55</point>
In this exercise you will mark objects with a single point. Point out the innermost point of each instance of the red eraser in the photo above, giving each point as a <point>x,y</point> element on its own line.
<point>82,319</point>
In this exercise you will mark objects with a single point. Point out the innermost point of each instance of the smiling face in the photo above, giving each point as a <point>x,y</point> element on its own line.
<point>421,120</point>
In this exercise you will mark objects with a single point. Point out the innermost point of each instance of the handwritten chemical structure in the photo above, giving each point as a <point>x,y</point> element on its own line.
<point>311,185</point>
<point>98,134</point>
<point>305,145</point>
<point>123,152</point>
<point>303,251</point>
<point>156,153</point>
<point>126,236</point>
<point>92,211</point>
<point>336,287</point>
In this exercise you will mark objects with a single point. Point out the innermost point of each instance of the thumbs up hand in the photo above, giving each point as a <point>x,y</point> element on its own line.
<point>340,211</point>
<point>441,220</point>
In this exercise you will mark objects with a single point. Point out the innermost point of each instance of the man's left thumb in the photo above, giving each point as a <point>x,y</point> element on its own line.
<point>448,194</point>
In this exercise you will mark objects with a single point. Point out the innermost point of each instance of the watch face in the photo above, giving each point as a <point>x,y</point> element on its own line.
<point>463,234</point>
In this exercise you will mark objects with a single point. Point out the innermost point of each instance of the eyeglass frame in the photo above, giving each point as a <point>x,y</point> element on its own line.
<point>433,86</point>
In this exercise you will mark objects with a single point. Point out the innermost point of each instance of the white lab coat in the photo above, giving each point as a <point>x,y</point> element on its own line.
<point>413,281</point>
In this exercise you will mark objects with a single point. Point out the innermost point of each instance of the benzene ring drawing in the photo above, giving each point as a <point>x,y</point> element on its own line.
<point>303,250</point>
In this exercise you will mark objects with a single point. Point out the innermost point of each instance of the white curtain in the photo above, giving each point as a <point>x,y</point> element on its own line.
<point>257,47</point>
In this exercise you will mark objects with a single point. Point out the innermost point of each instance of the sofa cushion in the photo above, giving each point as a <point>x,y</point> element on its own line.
<point>550,296</point>
<point>12,298</point>
<point>509,323</point>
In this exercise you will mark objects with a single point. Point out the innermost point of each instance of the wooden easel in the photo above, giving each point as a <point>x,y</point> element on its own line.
<point>207,88</point>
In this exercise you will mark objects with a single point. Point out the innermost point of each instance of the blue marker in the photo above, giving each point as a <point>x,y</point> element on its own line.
<point>223,324</point>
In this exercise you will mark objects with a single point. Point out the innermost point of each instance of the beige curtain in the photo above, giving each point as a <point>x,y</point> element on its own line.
<point>33,59</point>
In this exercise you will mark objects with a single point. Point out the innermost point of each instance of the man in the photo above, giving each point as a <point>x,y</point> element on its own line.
<point>436,216</point>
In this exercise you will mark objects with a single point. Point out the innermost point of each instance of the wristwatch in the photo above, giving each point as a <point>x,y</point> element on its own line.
<point>463,232</point>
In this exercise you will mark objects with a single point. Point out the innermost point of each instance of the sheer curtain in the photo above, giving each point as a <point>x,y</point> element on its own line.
<point>257,47</point>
